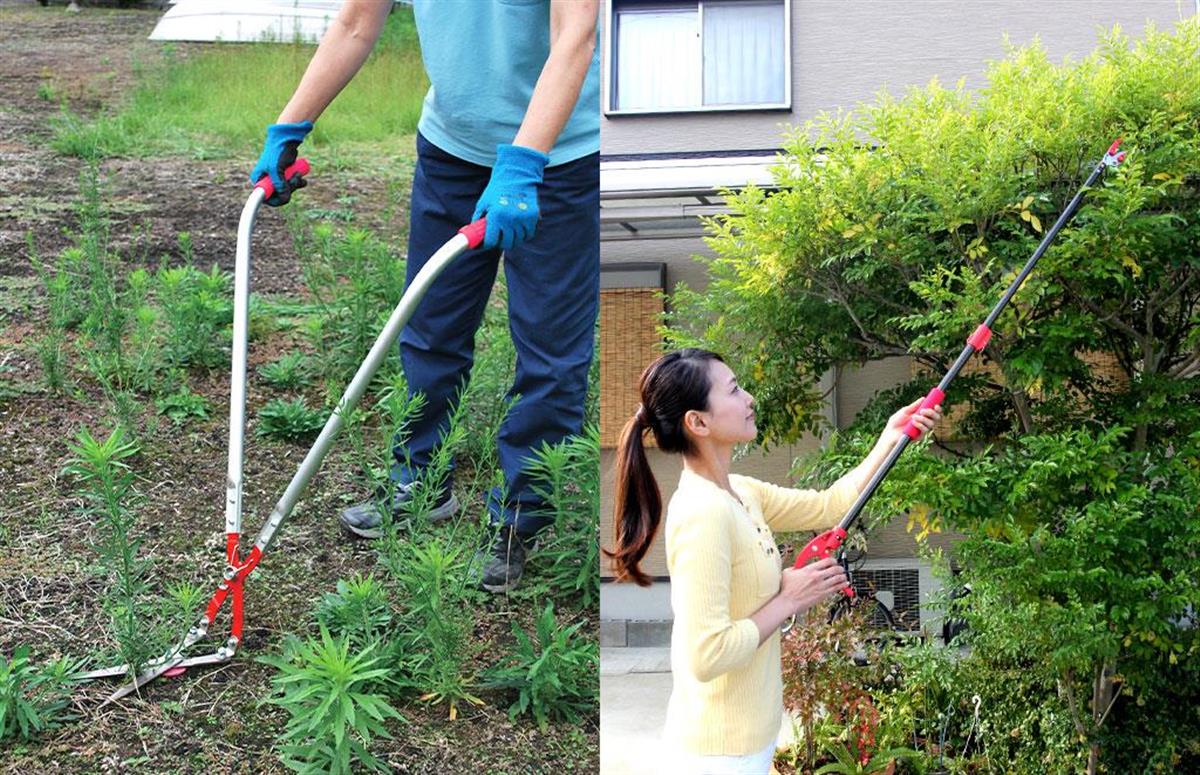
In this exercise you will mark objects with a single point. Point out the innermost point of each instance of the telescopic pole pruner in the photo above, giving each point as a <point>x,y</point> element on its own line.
<point>825,544</point>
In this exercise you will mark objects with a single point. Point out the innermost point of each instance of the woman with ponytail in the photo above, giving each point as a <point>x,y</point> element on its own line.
<point>728,593</point>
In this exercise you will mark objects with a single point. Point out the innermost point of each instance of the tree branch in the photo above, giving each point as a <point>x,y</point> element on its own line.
<point>1068,690</point>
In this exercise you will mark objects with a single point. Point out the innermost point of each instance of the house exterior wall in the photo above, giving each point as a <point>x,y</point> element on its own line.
<point>843,53</point>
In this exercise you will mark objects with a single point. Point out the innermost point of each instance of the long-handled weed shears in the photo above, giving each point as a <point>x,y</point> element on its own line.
<point>232,586</point>
<point>825,544</point>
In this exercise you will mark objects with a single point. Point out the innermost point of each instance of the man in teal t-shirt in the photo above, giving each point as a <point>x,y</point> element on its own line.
<point>509,130</point>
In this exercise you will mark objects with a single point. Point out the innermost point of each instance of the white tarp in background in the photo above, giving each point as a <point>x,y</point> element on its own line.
<point>247,20</point>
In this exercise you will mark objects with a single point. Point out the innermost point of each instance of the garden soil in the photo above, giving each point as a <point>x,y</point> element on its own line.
<point>209,719</point>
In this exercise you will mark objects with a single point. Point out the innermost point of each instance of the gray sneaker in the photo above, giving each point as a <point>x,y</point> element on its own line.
<point>366,519</point>
<point>503,560</point>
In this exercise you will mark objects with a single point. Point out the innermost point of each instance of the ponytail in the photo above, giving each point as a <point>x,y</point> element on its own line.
<point>673,385</point>
<point>638,503</point>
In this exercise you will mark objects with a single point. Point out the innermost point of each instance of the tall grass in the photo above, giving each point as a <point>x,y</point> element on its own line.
<point>220,98</point>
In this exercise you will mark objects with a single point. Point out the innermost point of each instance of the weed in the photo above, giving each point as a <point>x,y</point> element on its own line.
<point>567,477</point>
<point>222,95</point>
<point>197,311</point>
<point>107,487</point>
<point>105,314</point>
<point>184,598</point>
<point>33,700</point>
<point>261,322</point>
<point>433,651</point>
<point>290,371</point>
<point>356,281</point>
<point>145,350</point>
<point>183,405</point>
<point>61,312</point>
<point>289,420</point>
<point>124,401</point>
<point>556,674</point>
<point>359,610</point>
<point>46,92</point>
<point>328,689</point>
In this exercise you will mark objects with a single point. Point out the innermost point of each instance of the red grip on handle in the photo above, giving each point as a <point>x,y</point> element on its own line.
<point>980,338</point>
<point>822,546</point>
<point>1113,148</point>
<point>474,232</point>
<point>299,167</point>
<point>933,399</point>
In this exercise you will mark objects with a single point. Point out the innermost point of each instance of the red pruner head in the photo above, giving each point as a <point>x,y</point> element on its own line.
<point>1114,156</point>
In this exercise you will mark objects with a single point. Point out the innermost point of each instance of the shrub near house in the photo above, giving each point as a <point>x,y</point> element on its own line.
<point>1079,515</point>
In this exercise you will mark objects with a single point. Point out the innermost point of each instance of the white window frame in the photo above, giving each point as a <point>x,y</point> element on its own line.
<point>610,64</point>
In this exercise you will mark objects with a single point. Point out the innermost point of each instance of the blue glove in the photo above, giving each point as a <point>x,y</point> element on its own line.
<point>510,200</point>
<point>279,153</point>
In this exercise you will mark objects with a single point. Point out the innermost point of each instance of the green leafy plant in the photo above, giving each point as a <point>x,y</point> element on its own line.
<point>290,371</point>
<point>33,700</point>
<point>197,308</point>
<point>328,689</point>
<point>144,345</point>
<point>433,648</point>
<point>1072,470</point>
<point>62,309</point>
<point>209,102</point>
<point>106,481</point>
<point>183,405</point>
<point>105,315</point>
<point>289,420</point>
<point>846,763</point>
<point>357,282</point>
<point>358,610</point>
<point>567,476</point>
<point>555,672</point>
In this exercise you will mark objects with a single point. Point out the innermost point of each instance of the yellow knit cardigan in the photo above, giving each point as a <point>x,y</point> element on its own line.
<point>727,692</point>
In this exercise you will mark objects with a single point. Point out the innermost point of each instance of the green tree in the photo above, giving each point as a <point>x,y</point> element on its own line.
<point>891,231</point>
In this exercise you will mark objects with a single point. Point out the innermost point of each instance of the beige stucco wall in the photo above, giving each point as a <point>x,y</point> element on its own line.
<point>844,51</point>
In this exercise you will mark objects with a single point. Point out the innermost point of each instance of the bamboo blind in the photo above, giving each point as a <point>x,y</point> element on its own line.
<point>629,341</point>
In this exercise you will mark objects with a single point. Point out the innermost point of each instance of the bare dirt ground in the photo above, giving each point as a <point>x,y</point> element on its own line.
<point>207,719</point>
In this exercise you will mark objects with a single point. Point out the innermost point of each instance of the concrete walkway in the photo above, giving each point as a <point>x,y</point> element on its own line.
<point>635,684</point>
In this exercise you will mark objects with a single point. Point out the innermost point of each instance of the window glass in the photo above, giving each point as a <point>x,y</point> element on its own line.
<point>658,52</point>
<point>743,53</point>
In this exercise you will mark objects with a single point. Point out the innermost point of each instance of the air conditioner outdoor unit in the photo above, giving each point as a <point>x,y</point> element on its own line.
<point>905,586</point>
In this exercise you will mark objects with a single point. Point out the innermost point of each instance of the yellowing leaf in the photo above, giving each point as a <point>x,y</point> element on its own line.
<point>1162,176</point>
<point>1026,202</point>
<point>1026,215</point>
<point>453,711</point>
<point>1172,658</point>
<point>1132,265</point>
<point>1037,225</point>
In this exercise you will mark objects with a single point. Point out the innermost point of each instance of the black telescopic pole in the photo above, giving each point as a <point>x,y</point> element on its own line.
<point>826,543</point>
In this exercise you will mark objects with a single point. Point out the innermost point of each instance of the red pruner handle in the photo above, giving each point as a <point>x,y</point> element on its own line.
<point>299,167</point>
<point>823,546</point>
<point>933,399</point>
<point>474,232</point>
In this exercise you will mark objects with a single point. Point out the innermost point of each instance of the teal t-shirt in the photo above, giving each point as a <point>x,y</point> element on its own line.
<point>483,58</point>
